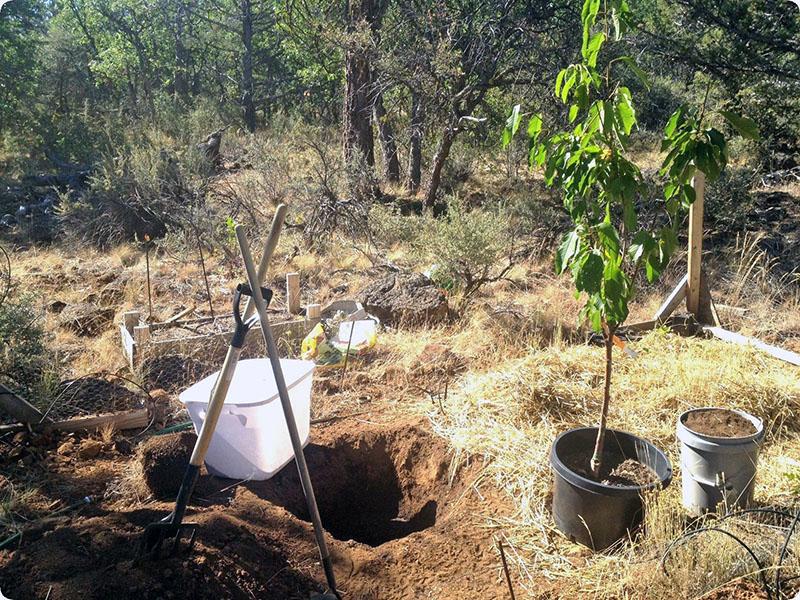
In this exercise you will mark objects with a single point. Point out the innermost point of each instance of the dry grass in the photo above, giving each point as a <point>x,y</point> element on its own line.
<point>512,413</point>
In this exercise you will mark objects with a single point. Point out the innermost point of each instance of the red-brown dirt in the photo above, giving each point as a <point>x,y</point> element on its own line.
<point>401,524</point>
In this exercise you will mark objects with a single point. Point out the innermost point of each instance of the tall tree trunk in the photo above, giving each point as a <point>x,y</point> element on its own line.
<point>391,161</point>
<point>415,147</point>
<point>358,141</point>
<point>442,152</point>
<point>181,73</point>
<point>248,103</point>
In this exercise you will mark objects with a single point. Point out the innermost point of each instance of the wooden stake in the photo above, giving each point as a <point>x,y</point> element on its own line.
<point>133,419</point>
<point>314,312</point>
<point>673,300</point>
<point>693,290</point>
<point>743,340</point>
<point>293,293</point>
<point>141,335</point>
<point>131,319</point>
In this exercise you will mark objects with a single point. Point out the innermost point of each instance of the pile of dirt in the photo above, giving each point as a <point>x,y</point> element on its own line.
<point>737,590</point>
<point>405,299</point>
<point>400,524</point>
<point>616,469</point>
<point>719,423</point>
<point>164,459</point>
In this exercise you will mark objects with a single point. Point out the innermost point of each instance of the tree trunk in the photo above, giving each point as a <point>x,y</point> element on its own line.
<point>358,141</point>
<point>442,152</point>
<point>181,77</point>
<point>248,102</point>
<point>596,463</point>
<point>391,161</point>
<point>415,149</point>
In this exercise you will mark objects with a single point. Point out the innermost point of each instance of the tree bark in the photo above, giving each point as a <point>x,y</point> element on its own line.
<point>415,147</point>
<point>358,140</point>
<point>596,464</point>
<point>442,152</point>
<point>181,73</point>
<point>391,161</point>
<point>248,102</point>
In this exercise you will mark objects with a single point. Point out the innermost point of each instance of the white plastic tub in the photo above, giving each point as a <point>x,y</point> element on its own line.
<point>251,440</point>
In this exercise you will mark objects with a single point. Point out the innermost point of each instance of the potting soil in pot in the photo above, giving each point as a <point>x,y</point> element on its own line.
<point>616,469</point>
<point>719,423</point>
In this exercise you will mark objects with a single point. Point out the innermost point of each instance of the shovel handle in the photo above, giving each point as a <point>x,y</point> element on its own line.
<point>220,389</point>
<point>288,413</point>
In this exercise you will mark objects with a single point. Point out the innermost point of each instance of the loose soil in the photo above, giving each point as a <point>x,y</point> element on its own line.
<point>616,469</point>
<point>719,422</point>
<point>164,459</point>
<point>400,519</point>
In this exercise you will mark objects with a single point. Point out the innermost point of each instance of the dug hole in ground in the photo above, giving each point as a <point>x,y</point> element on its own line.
<point>399,520</point>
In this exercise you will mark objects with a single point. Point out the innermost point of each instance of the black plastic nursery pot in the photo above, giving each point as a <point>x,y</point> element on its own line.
<point>593,513</point>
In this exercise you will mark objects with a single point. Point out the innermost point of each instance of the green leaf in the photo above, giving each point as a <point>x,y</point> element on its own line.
<point>534,127</point>
<point>589,273</point>
<point>746,127</point>
<point>568,84</point>
<point>642,244</point>
<point>640,74</point>
<point>609,238</point>
<point>512,125</point>
<point>674,119</point>
<point>629,214</point>
<point>573,112</point>
<point>568,249</point>
<point>560,80</point>
<point>592,49</point>
<point>593,311</point>
<point>625,110</point>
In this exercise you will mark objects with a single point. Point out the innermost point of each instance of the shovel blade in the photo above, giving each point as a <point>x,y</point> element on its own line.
<point>162,539</point>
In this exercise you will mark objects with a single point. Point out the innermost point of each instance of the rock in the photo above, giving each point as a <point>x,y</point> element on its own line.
<point>90,449</point>
<point>56,306</point>
<point>405,299</point>
<point>123,446</point>
<point>66,448</point>
<point>86,319</point>
<point>164,459</point>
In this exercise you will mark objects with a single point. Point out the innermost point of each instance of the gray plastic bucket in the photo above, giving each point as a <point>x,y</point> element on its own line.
<point>718,470</point>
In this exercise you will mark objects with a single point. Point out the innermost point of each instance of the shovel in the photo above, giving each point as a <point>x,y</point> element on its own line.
<point>288,414</point>
<point>172,526</point>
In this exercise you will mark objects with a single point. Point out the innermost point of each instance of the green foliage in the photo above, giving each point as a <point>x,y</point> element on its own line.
<point>468,248</point>
<point>144,189</point>
<point>388,226</point>
<point>602,185</point>
<point>23,354</point>
<point>794,479</point>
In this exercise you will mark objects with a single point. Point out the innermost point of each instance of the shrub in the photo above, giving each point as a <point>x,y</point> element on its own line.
<point>142,191</point>
<point>23,355</point>
<point>469,248</point>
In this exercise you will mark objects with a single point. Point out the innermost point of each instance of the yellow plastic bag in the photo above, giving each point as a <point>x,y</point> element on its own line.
<point>316,347</point>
